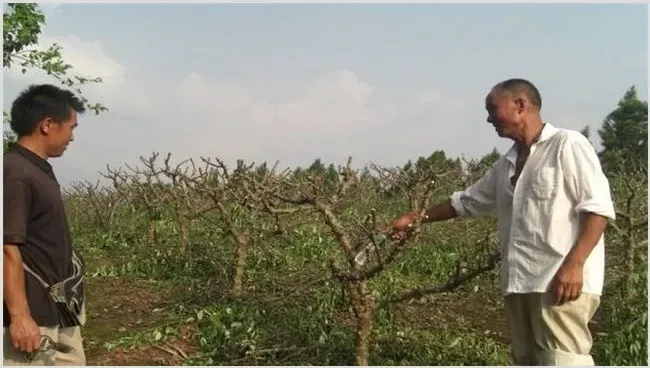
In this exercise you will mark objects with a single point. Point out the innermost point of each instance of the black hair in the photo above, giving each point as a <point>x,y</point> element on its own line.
<point>41,101</point>
<point>518,85</point>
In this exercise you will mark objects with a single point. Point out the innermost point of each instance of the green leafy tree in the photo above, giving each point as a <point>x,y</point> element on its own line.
<point>22,25</point>
<point>489,159</point>
<point>478,167</point>
<point>624,134</point>
<point>437,160</point>
<point>586,132</point>
<point>317,167</point>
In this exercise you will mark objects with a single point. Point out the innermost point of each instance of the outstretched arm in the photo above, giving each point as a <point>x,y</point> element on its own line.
<point>477,200</point>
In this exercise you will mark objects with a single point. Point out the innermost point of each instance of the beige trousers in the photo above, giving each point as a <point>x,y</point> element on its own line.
<point>60,346</point>
<point>544,333</point>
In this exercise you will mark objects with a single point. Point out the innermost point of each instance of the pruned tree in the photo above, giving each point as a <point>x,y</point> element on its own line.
<point>213,186</point>
<point>311,191</point>
<point>419,184</point>
<point>103,201</point>
<point>631,202</point>
<point>146,186</point>
<point>264,203</point>
<point>188,205</point>
<point>365,248</point>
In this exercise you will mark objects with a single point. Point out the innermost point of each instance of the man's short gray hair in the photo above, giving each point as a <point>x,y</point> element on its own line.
<point>518,85</point>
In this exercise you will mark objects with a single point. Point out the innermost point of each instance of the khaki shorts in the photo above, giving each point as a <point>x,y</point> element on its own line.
<point>544,333</point>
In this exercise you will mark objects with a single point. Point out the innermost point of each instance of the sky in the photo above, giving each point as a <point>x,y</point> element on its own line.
<point>381,83</point>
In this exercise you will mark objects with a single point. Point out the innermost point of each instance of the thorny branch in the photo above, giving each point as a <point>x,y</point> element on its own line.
<point>312,192</point>
<point>385,252</point>
<point>418,183</point>
<point>146,184</point>
<point>104,202</point>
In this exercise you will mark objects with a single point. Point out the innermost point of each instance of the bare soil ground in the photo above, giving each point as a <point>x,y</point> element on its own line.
<point>481,311</point>
<point>118,307</point>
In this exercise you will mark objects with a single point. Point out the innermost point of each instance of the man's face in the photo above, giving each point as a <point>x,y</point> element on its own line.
<point>505,113</point>
<point>59,135</point>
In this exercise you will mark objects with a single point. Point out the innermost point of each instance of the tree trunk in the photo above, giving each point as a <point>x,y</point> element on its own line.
<point>182,232</point>
<point>151,232</point>
<point>413,202</point>
<point>279,229</point>
<point>242,244</point>
<point>630,262</point>
<point>363,306</point>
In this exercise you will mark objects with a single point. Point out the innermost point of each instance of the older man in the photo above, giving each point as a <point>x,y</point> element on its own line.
<point>552,201</point>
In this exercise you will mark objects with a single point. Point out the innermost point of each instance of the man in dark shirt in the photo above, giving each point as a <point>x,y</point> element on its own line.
<point>41,327</point>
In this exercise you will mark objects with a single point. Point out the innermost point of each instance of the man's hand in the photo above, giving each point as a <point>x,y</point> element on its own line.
<point>23,330</point>
<point>25,334</point>
<point>438,212</point>
<point>567,284</point>
<point>398,227</point>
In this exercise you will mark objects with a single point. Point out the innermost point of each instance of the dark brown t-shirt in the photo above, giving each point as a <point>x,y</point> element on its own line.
<point>35,221</point>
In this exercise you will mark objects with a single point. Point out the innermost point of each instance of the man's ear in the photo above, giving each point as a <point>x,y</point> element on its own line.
<point>46,126</point>
<point>520,104</point>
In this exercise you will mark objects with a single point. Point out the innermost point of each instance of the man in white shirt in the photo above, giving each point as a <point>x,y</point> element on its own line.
<point>552,201</point>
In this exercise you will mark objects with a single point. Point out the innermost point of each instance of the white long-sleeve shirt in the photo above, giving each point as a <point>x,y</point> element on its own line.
<point>539,219</point>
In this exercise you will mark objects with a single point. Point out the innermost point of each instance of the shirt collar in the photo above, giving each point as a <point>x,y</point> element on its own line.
<point>547,132</point>
<point>31,156</point>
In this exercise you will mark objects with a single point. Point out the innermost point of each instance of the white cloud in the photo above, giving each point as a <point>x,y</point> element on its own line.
<point>195,91</point>
<point>567,121</point>
<point>340,87</point>
<point>335,115</point>
<point>89,59</point>
<point>331,117</point>
<point>326,104</point>
<point>49,9</point>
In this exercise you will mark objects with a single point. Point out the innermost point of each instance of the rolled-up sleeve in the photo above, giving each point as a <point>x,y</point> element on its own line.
<point>584,177</point>
<point>479,199</point>
<point>17,201</point>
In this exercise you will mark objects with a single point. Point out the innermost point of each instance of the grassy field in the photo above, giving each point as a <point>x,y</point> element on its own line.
<point>248,268</point>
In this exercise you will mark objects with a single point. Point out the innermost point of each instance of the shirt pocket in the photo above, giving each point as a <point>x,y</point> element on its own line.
<point>544,183</point>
